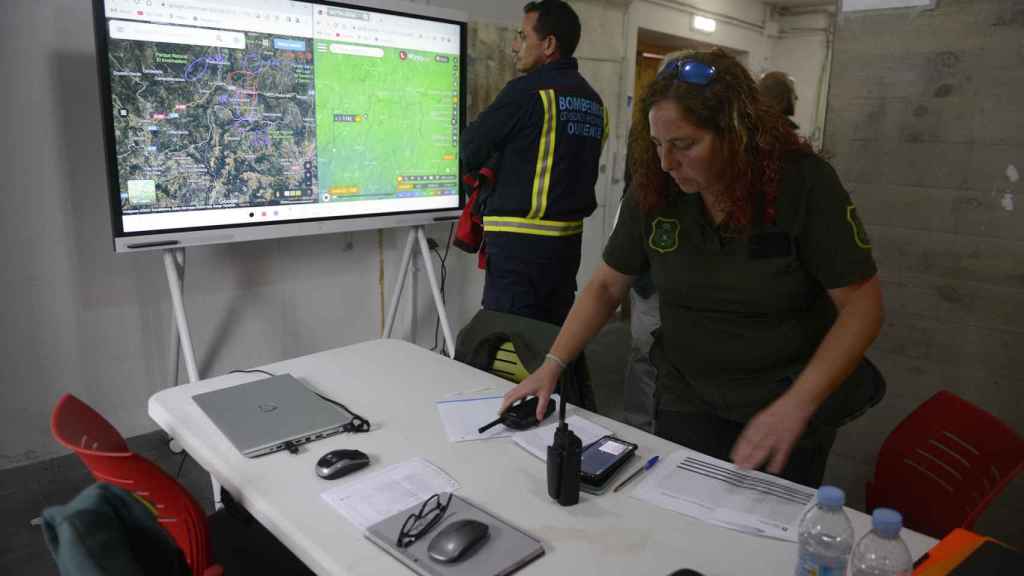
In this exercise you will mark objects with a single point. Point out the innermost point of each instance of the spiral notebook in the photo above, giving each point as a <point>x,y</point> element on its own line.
<point>506,549</point>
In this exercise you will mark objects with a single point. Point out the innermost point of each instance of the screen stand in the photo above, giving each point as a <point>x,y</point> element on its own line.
<point>174,265</point>
<point>417,235</point>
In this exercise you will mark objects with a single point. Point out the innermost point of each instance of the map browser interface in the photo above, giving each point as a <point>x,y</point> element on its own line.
<point>229,112</point>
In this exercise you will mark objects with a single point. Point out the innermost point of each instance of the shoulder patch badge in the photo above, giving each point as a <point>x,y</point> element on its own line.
<point>664,234</point>
<point>860,234</point>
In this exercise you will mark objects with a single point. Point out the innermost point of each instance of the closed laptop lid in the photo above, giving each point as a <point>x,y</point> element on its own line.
<point>265,413</point>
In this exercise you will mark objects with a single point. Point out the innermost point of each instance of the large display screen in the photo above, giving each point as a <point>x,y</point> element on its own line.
<point>248,113</point>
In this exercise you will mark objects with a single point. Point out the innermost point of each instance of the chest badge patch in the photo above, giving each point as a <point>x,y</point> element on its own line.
<point>860,234</point>
<point>664,234</point>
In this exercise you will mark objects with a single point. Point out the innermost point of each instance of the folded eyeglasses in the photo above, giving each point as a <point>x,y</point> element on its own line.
<point>423,521</point>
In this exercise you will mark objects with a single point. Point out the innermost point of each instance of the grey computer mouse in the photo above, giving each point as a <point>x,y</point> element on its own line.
<point>456,540</point>
<point>338,463</point>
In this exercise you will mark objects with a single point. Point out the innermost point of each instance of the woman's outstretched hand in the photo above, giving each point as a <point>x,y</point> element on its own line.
<point>771,435</point>
<point>540,384</point>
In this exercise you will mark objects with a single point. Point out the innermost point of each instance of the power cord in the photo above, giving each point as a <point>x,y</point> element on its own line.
<point>444,278</point>
<point>357,424</point>
<point>181,464</point>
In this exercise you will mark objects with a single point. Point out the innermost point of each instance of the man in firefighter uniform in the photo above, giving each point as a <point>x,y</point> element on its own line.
<point>543,134</point>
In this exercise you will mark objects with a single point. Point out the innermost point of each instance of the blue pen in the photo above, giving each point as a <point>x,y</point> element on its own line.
<point>647,466</point>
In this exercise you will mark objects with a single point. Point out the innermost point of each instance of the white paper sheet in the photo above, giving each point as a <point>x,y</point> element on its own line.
<point>716,491</point>
<point>462,414</point>
<point>536,441</point>
<point>389,491</point>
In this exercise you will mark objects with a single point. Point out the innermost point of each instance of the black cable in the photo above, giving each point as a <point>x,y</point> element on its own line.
<point>444,278</point>
<point>253,371</point>
<point>356,424</point>
<point>177,474</point>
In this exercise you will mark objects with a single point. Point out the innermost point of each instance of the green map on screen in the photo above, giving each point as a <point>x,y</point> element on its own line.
<point>386,122</point>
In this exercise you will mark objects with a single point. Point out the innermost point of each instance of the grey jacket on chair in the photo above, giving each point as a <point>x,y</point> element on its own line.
<point>107,531</point>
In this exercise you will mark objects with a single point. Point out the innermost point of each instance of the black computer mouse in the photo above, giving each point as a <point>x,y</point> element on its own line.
<point>338,463</point>
<point>685,572</point>
<point>456,540</point>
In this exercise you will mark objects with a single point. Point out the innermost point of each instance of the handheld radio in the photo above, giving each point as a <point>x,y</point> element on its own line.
<point>564,462</point>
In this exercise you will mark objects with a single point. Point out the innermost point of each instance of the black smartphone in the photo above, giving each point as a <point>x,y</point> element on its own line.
<point>602,458</point>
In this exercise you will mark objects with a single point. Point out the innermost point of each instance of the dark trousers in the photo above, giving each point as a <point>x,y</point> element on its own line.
<point>715,436</point>
<point>531,276</point>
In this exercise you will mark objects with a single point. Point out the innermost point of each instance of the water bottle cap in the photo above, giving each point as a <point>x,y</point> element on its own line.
<point>887,522</point>
<point>831,497</point>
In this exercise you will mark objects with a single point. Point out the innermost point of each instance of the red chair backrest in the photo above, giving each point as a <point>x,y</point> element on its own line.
<point>943,464</point>
<point>105,453</point>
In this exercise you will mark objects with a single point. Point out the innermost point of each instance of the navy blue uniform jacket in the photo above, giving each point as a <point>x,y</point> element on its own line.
<point>547,129</point>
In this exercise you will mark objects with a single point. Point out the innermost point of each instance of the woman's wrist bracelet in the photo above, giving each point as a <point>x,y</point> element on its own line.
<point>561,364</point>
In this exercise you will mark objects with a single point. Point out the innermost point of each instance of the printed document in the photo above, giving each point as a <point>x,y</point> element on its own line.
<point>389,491</point>
<point>716,491</point>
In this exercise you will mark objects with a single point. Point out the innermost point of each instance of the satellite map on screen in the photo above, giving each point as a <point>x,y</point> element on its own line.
<point>210,127</point>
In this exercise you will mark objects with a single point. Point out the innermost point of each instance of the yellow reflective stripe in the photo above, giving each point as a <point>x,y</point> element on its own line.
<point>517,230</point>
<point>534,226</point>
<point>542,173</point>
<point>506,356</point>
<point>538,170</point>
<point>507,364</point>
<point>549,165</point>
<point>533,221</point>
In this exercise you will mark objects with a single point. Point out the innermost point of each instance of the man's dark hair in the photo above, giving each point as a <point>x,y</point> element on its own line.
<point>558,19</point>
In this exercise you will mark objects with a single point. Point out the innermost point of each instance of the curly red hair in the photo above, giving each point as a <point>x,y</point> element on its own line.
<point>752,139</point>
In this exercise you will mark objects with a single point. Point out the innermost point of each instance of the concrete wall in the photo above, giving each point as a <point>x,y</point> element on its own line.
<point>801,50</point>
<point>926,124</point>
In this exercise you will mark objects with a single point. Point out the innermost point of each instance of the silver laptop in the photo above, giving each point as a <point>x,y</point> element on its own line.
<point>268,415</point>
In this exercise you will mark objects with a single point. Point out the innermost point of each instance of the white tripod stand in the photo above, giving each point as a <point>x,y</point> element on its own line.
<point>416,235</point>
<point>174,265</point>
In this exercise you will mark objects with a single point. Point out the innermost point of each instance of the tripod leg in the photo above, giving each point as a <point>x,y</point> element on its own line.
<point>436,290</point>
<point>403,271</point>
<point>174,282</point>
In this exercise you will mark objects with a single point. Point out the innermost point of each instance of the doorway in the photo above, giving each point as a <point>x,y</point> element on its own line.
<point>652,46</point>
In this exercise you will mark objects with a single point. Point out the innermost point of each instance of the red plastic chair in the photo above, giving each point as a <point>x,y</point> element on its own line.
<point>104,452</point>
<point>943,465</point>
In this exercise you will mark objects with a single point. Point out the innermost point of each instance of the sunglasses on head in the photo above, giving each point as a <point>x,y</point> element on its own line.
<point>689,71</point>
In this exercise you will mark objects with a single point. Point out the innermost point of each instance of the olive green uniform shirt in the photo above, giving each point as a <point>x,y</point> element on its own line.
<point>742,315</point>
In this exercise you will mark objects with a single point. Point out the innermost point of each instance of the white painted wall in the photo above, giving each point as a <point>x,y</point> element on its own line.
<point>78,318</point>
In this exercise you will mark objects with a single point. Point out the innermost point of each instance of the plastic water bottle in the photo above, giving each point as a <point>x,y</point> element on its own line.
<point>882,552</point>
<point>825,536</point>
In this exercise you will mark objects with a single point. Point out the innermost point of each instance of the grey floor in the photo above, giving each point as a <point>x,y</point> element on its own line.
<point>26,490</point>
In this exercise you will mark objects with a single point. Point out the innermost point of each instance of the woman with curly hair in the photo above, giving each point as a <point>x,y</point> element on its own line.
<point>769,292</point>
